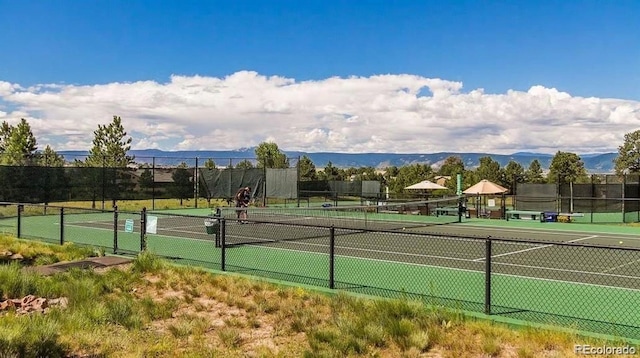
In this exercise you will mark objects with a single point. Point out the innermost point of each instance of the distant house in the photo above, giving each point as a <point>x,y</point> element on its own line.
<point>442,179</point>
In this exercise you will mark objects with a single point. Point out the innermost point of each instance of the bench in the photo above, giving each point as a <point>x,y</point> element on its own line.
<point>566,217</point>
<point>446,211</point>
<point>523,214</point>
<point>412,210</point>
<point>533,215</point>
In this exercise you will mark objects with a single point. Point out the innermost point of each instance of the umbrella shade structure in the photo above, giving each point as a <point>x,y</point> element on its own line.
<point>485,187</point>
<point>426,185</point>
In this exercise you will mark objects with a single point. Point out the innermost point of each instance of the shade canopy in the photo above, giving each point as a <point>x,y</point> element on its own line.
<point>426,185</point>
<point>486,187</point>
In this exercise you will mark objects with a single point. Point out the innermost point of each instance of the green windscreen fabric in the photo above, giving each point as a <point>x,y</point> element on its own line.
<point>35,184</point>
<point>311,188</point>
<point>594,198</point>
<point>370,189</point>
<point>356,188</point>
<point>346,188</point>
<point>282,183</point>
<point>224,183</point>
<point>542,197</point>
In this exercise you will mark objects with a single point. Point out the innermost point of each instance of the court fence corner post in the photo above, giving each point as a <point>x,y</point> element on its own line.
<point>332,246</point>
<point>223,229</point>
<point>487,277</point>
<point>61,226</point>
<point>143,229</point>
<point>19,226</point>
<point>217,229</point>
<point>115,229</point>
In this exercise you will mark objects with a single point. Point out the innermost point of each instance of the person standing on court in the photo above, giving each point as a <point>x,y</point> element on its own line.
<point>243,197</point>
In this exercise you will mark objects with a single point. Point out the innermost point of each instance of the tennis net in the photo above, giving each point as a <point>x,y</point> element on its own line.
<point>272,224</point>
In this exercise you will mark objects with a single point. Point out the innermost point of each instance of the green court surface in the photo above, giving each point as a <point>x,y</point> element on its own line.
<point>589,287</point>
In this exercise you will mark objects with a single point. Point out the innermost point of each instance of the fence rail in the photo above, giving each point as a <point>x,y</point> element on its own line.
<point>589,287</point>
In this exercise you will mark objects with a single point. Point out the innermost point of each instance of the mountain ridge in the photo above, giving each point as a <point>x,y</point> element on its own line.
<point>594,163</point>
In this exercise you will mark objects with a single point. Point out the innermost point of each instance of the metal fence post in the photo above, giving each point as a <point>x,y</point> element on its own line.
<point>115,229</point>
<point>19,227</point>
<point>487,277</point>
<point>332,245</point>
<point>218,226</point>
<point>153,184</point>
<point>104,178</point>
<point>143,229</point>
<point>196,193</point>
<point>223,230</point>
<point>61,226</point>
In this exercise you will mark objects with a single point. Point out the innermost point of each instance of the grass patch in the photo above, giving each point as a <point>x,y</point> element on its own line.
<point>230,337</point>
<point>42,254</point>
<point>146,262</point>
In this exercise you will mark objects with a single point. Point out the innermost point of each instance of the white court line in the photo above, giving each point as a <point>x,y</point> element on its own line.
<point>293,242</point>
<point>446,258</point>
<point>535,248</point>
<point>568,270</point>
<point>482,271</point>
<point>551,231</point>
<point>621,266</point>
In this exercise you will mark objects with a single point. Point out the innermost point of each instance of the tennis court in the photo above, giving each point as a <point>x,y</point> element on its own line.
<point>584,276</point>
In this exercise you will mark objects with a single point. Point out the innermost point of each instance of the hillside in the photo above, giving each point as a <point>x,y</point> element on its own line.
<point>594,163</point>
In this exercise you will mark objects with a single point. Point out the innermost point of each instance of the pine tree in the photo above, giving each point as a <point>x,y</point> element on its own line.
<point>110,146</point>
<point>19,144</point>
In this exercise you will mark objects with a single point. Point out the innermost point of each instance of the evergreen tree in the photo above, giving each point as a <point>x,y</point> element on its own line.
<point>331,172</point>
<point>452,166</point>
<point>307,169</point>
<point>56,185</point>
<point>245,164</point>
<point>51,158</point>
<point>146,181</point>
<point>533,174</point>
<point>209,164</point>
<point>19,144</point>
<point>489,169</point>
<point>5,132</point>
<point>110,146</point>
<point>108,173</point>
<point>409,175</point>
<point>567,168</point>
<point>628,159</point>
<point>182,187</point>
<point>270,156</point>
<point>513,174</point>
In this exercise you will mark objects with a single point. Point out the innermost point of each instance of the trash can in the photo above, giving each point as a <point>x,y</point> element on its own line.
<point>549,217</point>
<point>212,225</point>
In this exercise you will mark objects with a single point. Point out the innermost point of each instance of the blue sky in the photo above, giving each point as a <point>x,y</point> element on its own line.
<point>580,48</point>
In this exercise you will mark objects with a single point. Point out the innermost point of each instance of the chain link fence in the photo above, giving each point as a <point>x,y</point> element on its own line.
<point>191,181</point>
<point>594,288</point>
<point>605,198</point>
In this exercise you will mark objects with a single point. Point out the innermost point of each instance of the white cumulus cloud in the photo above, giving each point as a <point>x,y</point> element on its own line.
<point>384,113</point>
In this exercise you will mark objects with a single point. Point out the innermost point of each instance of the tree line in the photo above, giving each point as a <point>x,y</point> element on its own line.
<point>111,145</point>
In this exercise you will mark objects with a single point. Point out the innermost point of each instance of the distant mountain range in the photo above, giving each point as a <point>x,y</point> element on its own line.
<point>594,163</point>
